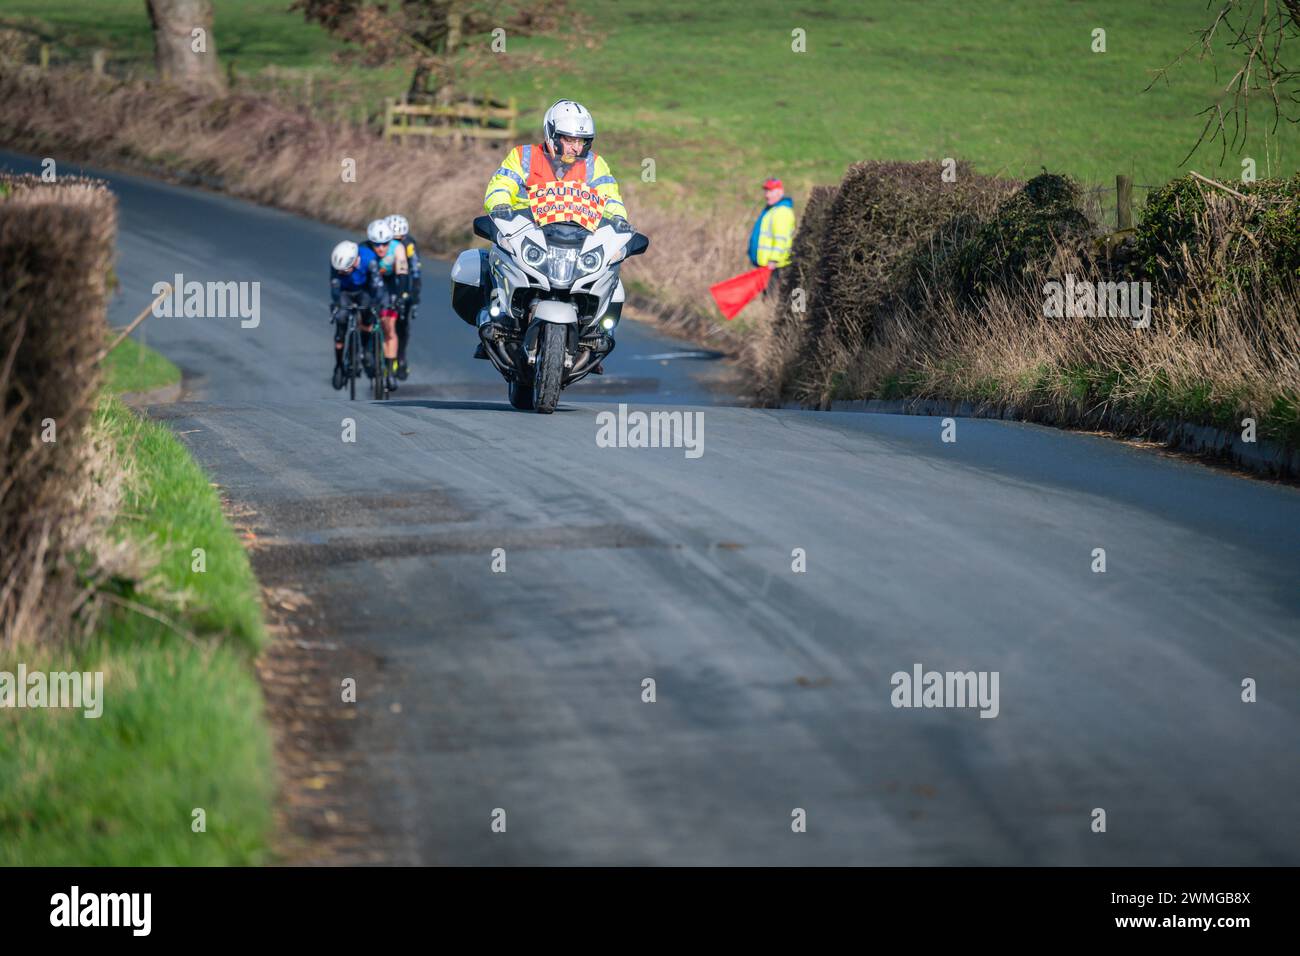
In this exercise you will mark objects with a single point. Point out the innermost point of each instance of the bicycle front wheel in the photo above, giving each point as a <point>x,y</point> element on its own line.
<point>352,360</point>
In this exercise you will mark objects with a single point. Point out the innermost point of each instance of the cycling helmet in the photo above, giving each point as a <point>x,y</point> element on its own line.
<point>567,118</point>
<point>399,225</point>
<point>379,232</point>
<point>344,255</point>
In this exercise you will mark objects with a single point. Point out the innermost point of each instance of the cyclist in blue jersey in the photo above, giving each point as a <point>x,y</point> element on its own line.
<point>355,280</point>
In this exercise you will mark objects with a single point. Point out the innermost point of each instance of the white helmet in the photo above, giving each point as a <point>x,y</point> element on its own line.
<point>379,232</point>
<point>344,254</point>
<point>567,118</point>
<point>399,225</point>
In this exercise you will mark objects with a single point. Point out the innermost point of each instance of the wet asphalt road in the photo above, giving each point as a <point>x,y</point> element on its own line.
<point>523,690</point>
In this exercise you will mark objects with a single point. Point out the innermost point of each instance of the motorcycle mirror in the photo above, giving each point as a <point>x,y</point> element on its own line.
<point>484,228</point>
<point>638,244</point>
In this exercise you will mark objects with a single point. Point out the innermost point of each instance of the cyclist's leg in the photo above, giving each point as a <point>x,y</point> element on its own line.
<point>388,317</point>
<point>403,331</point>
<point>346,301</point>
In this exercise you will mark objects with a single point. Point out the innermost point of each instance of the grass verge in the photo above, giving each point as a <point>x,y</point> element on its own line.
<point>182,727</point>
<point>1088,396</point>
<point>132,367</point>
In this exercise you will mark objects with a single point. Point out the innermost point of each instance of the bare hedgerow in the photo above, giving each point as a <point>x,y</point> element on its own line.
<point>56,481</point>
<point>958,308</point>
<point>851,247</point>
<point>1210,359</point>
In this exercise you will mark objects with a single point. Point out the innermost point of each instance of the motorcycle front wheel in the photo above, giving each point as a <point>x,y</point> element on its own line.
<point>550,368</point>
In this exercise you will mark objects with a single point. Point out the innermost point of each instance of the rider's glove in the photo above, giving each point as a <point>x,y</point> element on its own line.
<point>501,211</point>
<point>621,225</point>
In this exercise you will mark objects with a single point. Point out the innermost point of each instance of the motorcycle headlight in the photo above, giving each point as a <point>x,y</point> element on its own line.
<point>534,254</point>
<point>589,262</point>
<point>560,263</point>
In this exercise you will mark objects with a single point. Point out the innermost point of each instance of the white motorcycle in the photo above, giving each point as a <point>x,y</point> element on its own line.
<point>553,299</point>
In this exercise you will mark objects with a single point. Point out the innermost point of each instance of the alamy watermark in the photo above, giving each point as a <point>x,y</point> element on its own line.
<point>1083,299</point>
<point>209,300</point>
<point>923,688</point>
<point>655,429</point>
<point>63,689</point>
<point>130,910</point>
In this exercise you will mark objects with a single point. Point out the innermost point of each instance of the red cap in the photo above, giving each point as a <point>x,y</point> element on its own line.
<point>773,183</point>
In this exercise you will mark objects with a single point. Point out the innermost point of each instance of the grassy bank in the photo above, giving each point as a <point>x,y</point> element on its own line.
<point>182,725</point>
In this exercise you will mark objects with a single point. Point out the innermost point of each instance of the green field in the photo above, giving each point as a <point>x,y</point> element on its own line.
<point>253,32</point>
<point>182,725</point>
<point>714,94</point>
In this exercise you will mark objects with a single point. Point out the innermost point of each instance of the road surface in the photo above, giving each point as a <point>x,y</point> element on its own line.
<point>519,695</point>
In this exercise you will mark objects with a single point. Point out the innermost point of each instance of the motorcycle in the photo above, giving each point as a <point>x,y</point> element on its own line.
<point>553,298</point>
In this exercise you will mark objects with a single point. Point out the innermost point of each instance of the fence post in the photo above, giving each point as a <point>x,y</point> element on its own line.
<point>97,61</point>
<point>1124,201</point>
<point>45,57</point>
<point>388,118</point>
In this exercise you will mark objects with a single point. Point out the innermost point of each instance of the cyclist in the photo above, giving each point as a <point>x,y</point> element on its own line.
<point>406,312</point>
<point>355,280</point>
<point>393,269</point>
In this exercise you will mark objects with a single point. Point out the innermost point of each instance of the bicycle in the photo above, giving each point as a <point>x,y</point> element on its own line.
<point>352,351</point>
<point>377,358</point>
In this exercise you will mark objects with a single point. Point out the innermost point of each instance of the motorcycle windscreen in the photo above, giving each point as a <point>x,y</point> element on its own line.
<point>735,293</point>
<point>566,201</point>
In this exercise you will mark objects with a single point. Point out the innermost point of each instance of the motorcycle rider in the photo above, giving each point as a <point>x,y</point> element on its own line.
<point>565,153</point>
<point>393,269</point>
<point>405,316</point>
<point>355,280</point>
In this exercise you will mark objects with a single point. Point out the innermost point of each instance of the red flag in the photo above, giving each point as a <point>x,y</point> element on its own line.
<point>735,293</point>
